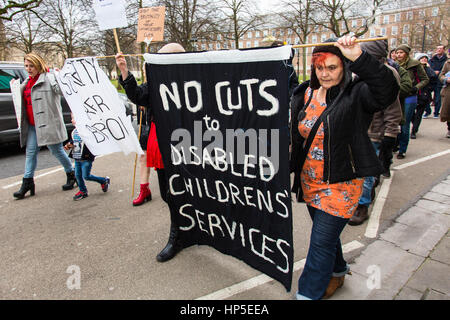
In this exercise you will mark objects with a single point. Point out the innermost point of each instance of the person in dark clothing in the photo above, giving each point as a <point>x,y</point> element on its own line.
<point>329,174</point>
<point>140,96</point>
<point>423,96</point>
<point>436,63</point>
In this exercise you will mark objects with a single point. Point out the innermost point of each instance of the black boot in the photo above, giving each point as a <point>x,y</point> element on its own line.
<point>172,247</point>
<point>70,181</point>
<point>27,185</point>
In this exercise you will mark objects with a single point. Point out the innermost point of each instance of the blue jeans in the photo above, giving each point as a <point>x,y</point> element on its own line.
<point>325,258</point>
<point>403,138</point>
<point>32,151</point>
<point>366,197</point>
<point>437,99</point>
<point>83,172</point>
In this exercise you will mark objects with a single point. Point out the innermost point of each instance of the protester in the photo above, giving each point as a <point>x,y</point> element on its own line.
<point>83,164</point>
<point>383,132</point>
<point>42,122</point>
<point>424,95</point>
<point>436,63</point>
<point>341,154</point>
<point>419,79</point>
<point>392,55</point>
<point>140,96</point>
<point>444,78</point>
<point>145,193</point>
<point>405,86</point>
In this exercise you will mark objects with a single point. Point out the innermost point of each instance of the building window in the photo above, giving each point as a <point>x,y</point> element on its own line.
<point>210,46</point>
<point>289,32</point>
<point>393,42</point>
<point>249,35</point>
<point>394,30</point>
<point>406,29</point>
<point>203,47</point>
<point>397,17</point>
<point>218,46</point>
<point>405,40</point>
<point>383,31</point>
<point>314,39</point>
<point>249,44</point>
<point>372,33</point>
<point>257,34</point>
<point>241,45</point>
<point>409,15</point>
<point>354,23</point>
<point>434,12</point>
<point>256,43</point>
<point>386,19</point>
<point>219,37</point>
<point>266,33</point>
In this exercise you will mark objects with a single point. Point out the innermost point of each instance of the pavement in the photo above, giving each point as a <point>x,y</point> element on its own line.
<point>411,259</point>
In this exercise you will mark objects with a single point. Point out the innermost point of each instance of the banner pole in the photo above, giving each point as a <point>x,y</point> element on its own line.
<point>117,40</point>
<point>333,43</point>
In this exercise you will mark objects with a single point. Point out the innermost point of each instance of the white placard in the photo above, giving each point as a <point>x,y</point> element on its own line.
<point>98,111</point>
<point>17,99</point>
<point>110,14</point>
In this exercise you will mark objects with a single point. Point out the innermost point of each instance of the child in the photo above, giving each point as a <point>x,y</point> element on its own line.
<point>83,164</point>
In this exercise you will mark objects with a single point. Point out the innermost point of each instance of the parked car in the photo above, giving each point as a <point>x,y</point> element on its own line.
<point>9,131</point>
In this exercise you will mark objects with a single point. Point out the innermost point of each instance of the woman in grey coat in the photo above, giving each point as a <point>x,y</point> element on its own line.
<point>41,122</point>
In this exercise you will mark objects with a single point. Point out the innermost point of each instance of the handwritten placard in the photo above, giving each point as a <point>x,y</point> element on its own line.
<point>98,111</point>
<point>151,24</point>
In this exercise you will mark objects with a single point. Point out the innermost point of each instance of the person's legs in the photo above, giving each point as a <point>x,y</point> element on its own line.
<point>58,151</point>
<point>87,167</point>
<point>79,176</point>
<point>162,184</point>
<point>144,175</point>
<point>324,255</point>
<point>404,135</point>
<point>31,154</point>
<point>437,99</point>
<point>417,118</point>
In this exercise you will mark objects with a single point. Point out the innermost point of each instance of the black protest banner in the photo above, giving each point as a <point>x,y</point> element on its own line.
<point>222,126</point>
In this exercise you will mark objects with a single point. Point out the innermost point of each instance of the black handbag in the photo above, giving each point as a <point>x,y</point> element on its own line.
<point>143,138</point>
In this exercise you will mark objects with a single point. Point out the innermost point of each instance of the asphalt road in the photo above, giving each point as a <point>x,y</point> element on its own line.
<point>104,248</point>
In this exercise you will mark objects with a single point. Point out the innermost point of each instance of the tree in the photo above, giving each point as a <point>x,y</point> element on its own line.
<point>68,23</point>
<point>25,32</point>
<point>336,15</point>
<point>8,9</point>
<point>239,16</point>
<point>298,17</point>
<point>188,20</point>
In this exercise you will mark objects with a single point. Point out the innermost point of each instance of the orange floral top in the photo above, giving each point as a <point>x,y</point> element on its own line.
<point>339,199</point>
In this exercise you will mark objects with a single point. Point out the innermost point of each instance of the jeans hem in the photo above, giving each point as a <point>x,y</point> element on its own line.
<point>299,296</point>
<point>343,273</point>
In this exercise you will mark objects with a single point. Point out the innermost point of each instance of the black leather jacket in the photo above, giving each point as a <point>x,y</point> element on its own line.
<point>348,151</point>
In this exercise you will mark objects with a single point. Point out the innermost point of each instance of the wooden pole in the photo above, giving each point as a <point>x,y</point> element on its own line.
<point>117,40</point>
<point>322,44</point>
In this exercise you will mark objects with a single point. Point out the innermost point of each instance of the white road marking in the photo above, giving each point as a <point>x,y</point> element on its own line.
<point>424,159</point>
<point>262,278</point>
<point>40,175</point>
<point>36,177</point>
<point>375,215</point>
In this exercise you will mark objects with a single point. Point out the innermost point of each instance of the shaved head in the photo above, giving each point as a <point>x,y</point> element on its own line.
<point>172,48</point>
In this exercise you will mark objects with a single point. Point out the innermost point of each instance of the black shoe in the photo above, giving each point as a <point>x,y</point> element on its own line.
<point>172,247</point>
<point>27,185</point>
<point>401,156</point>
<point>413,136</point>
<point>387,174</point>
<point>361,214</point>
<point>71,180</point>
<point>80,195</point>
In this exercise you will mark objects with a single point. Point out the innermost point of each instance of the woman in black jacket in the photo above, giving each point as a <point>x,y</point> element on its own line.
<point>339,106</point>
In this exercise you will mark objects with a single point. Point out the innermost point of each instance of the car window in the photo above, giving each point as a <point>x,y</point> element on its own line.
<point>5,77</point>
